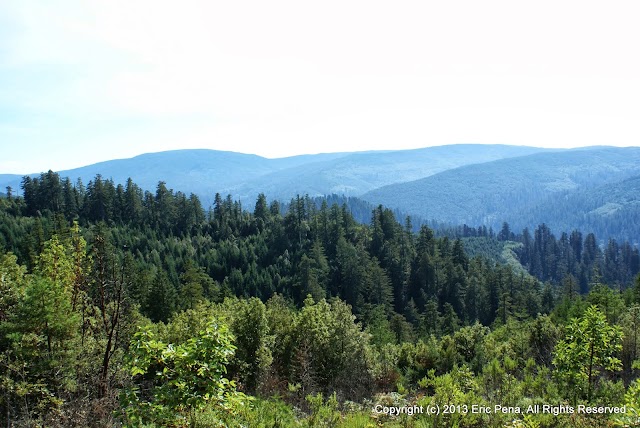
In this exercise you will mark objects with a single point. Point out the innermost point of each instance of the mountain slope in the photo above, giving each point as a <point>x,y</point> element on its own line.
<point>357,173</point>
<point>492,192</point>
<point>609,210</point>
<point>199,171</point>
<point>205,172</point>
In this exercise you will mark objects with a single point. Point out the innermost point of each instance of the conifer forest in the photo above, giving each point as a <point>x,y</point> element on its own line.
<point>121,307</point>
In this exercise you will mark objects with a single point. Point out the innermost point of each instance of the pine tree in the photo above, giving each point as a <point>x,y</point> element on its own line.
<point>590,346</point>
<point>162,298</point>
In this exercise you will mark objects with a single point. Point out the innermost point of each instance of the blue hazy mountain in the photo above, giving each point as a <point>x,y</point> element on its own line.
<point>357,173</point>
<point>560,188</point>
<point>205,172</point>
<point>608,210</point>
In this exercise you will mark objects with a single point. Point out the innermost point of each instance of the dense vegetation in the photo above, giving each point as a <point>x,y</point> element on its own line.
<point>124,306</point>
<point>572,260</point>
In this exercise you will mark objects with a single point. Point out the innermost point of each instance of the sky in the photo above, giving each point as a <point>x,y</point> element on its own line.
<point>82,81</point>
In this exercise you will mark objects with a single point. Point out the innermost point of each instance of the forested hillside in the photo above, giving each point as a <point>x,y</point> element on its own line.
<point>124,306</point>
<point>357,173</point>
<point>572,258</point>
<point>581,188</point>
<point>609,210</point>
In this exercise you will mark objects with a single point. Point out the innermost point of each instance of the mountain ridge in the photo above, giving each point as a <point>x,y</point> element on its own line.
<point>508,189</point>
<point>205,172</point>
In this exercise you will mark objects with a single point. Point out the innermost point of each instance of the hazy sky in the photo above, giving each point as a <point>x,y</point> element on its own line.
<point>83,81</point>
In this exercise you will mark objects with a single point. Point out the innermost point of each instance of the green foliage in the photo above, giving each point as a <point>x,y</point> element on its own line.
<point>608,301</point>
<point>469,344</point>
<point>196,286</point>
<point>56,264</point>
<point>590,346</point>
<point>331,349</point>
<point>324,414</point>
<point>161,300</point>
<point>12,277</point>
<point>632,403</point>
<point>258,413</point>
<point>543,336</point>
<point>39,344</point>
<point>379,326</point>
<point>173,382</point>
<point>250,328</point>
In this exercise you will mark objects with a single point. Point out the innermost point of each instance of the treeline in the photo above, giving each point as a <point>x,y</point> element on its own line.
<point>361,211</point>
<point>574,258</point>
<point>102,200</point>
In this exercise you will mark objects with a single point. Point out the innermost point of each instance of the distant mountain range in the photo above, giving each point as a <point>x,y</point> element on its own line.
<point>594,189</point>
<point>205,172</point>
<point>357,173</point>
<point>202,172</point>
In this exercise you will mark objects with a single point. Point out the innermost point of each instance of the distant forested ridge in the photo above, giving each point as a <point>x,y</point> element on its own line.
<point>608,210</point>
<point>121,305</point>
<point>595,190</point>
<point>205,172</point>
